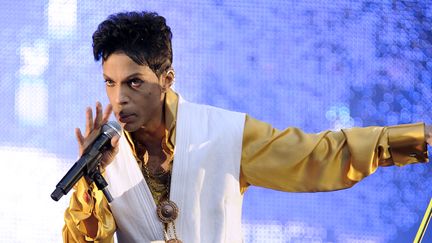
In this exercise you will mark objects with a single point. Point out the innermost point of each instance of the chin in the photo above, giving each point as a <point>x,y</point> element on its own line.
<point>130,127</point>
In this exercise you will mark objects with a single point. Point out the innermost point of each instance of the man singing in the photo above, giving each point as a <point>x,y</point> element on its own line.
<point>180,169</point>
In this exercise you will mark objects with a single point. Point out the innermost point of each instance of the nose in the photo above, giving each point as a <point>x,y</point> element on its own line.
<point>122,96</point>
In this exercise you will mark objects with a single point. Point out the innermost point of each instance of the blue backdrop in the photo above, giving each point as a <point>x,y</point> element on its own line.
<point>312,64</point>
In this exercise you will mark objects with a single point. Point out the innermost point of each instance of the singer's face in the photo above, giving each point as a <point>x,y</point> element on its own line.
<point>134,91</point>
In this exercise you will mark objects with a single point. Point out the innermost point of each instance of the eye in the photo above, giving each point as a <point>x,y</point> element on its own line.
<point>135,83</point>
<point>109,83</point>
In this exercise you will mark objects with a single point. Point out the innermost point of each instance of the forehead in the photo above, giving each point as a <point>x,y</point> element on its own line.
<point>118,66</point>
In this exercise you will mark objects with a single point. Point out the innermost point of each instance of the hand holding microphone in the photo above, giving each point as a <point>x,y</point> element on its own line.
<point>97,148</point>
<point>93,130</point>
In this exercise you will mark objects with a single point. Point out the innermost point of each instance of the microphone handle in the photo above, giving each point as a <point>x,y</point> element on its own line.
<point>71,177</point>
<point>85,165</point>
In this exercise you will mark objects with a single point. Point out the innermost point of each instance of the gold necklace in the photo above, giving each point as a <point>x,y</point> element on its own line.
<point>166,210</point>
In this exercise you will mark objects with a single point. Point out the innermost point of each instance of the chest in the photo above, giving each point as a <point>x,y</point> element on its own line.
<point>156,166</point>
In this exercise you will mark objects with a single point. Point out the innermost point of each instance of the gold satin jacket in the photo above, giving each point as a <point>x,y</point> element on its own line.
<point>288,160</point>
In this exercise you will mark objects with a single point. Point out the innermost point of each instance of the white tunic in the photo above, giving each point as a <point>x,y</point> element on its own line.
<point>204,184</point>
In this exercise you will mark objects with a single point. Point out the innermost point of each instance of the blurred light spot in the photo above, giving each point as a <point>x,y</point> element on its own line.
<point>31,102</point>
<point>34,58</point>
<point>339,116</point>
<point>62,18</point>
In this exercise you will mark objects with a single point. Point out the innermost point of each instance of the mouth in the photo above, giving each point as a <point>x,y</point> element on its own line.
<point>126,117</point>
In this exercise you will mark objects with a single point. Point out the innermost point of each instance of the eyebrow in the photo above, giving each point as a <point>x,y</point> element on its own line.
<point>133,75</point>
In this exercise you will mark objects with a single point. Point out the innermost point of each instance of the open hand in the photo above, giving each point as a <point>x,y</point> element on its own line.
<point>92,131</point>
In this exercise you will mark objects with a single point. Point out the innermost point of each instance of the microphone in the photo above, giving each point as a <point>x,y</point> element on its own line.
<point>88,163</point>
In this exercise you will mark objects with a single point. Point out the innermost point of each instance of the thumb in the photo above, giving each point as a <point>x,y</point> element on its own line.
<point>114,141</point>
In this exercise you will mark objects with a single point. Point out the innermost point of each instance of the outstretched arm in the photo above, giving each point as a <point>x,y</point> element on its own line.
<point>291,160</point>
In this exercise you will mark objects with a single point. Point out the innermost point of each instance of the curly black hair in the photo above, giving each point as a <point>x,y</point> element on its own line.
<point>143,36</point>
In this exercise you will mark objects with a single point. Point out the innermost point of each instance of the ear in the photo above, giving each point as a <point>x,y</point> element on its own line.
<point>168,79</point>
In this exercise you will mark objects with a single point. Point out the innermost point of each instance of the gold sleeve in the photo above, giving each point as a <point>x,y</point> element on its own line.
<point>291,160</point>
<point>88,211</point>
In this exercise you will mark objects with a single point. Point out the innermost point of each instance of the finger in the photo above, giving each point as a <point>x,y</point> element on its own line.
<point>79,136</point>
<point>89,121</point>
<point>114,141</point>
<point>114,144</point>
<point>80,140</point>
<point>107,113</point>
<point>108,157</point>
<point>103,165</point>
<point>98,118</point>
<point>91,138</point>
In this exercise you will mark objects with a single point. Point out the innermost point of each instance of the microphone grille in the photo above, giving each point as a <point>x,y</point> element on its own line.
<point>112,128</point>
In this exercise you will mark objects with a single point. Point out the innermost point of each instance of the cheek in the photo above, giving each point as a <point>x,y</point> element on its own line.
<point>149,102</point>
<point>152,95</point>
<point>110,95</point>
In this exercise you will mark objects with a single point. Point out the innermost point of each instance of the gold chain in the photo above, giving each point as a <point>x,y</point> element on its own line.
<point>154,187</point>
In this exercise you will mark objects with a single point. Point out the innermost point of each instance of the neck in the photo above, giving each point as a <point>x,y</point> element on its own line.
<point>150,137</point>
<point>152,134</point>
